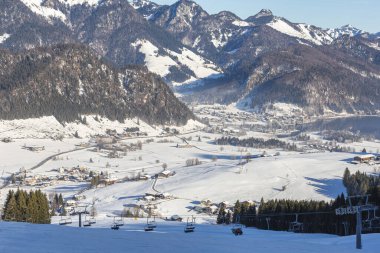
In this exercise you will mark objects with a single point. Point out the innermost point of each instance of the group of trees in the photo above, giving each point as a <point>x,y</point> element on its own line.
<point>341,136</point>
<point>32,207</point>
<point>360,183</point>
<point>193,162</point>
<point>315,216</point>
<point>256,143</point>
<point>57,204</point>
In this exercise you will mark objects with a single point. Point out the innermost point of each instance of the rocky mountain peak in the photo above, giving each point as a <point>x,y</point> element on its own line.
<point>226,15</point>
<point>264,12</point>
<point>264,16</point>
<point>189,9</point>
<point>142,3</point>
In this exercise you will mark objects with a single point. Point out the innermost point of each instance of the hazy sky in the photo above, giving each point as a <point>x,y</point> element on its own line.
<point>363,14</point>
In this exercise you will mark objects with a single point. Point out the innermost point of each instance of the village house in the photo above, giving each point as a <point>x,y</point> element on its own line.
<point>364,158</point>
<point>166,174</point>
<point>71,203</point>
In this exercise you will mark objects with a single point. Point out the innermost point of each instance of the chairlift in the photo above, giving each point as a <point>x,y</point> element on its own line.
<point>65,221</point>
<point>118,221</point>
<point>92,220</point>
<point>372,222</point>
<point>237,229</point>
<point>153,223</point>
<point>86,222</point>
<point>150,226</point>
<point>296,226</point>
<point>115,227</point>
<point>190,226</point>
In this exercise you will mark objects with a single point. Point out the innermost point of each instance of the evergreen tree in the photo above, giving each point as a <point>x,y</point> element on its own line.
<point>228,218</point>
<point>346,176</point>
<point>60,200</point>
<point>237,211</point>
<point>21,198</point>
<point>221,215</point>
<point>32,207</point>
<point>10,210</point>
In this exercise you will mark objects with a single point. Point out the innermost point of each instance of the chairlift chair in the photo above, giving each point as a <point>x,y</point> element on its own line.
<point>92,220</point>
<point>86,222</point>
<point>296,226</point>
<point>118,222</point>
<point>190,226</point>
<point>372,222</point>
<point>153,223</point>
<point>115,227</point>
<point>65,221</point>
<point>149,226</point>
<point>237,229</point>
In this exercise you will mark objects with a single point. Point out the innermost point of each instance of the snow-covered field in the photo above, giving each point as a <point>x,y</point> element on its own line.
<point>169,237</point>
<point>219,178</point>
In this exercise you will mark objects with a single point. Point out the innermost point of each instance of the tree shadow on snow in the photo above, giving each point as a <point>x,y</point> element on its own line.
<point>329,187</point>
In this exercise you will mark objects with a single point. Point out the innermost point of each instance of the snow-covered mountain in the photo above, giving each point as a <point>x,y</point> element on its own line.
<point>344,30</point>
<point>306,32</point>
<point>265,57</point>
<point>213,57</point>
<point>146,8</point>
<point>106,26</point>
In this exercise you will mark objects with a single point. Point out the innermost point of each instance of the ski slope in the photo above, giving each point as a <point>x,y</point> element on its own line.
<point>169,237</point>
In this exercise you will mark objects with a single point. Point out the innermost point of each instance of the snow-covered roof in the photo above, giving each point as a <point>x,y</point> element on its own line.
<point>368,156</point>
<point>166,172</point>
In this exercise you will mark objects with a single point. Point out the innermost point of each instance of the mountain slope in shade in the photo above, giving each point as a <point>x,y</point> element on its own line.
<point>67,81</point>
<point>250,60</point>
<point>109,27</point>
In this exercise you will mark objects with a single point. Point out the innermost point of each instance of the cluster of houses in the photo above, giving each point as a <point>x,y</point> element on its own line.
<point>74,174</point>
<point>115,148</point>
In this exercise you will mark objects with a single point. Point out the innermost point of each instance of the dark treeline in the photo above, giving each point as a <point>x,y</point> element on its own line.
<point>279,214</point>
<point>32,207</point>
<point>315,216</point>
<point>256,143</point>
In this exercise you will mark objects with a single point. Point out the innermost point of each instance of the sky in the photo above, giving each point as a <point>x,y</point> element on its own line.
<point>363,14</point>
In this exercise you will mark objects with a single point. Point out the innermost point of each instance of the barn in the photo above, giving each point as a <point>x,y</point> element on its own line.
<point>364,158</point>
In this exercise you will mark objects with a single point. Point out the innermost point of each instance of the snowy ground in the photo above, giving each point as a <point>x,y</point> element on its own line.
<point>169,237</point>
<point>219,178</point>
<point>305,176</point>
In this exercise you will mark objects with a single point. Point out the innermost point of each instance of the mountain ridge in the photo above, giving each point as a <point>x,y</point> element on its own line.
<point>66,81</point>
